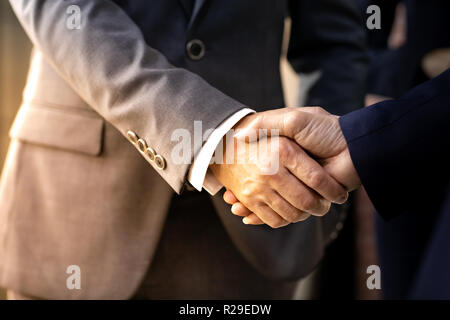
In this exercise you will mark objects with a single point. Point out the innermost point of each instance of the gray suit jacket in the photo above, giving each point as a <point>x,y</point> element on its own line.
<point>77,190</point>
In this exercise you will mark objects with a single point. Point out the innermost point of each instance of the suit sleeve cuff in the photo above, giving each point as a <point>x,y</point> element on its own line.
<point>199,176</point>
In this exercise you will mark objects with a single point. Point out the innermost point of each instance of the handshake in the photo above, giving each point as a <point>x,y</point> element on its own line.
<point>314,167</point>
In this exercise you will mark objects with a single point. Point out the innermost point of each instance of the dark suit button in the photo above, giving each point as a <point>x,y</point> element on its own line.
<point>195,49</point>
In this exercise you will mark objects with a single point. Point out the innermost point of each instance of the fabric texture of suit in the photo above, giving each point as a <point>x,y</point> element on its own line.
<point>74,191</point>
<point>400,149</point>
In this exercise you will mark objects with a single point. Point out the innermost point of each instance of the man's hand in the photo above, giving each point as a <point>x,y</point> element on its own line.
<point>299,188</point>
<point>317,132</point>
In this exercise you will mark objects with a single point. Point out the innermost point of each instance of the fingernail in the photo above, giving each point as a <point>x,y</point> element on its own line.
<point>245,221</point>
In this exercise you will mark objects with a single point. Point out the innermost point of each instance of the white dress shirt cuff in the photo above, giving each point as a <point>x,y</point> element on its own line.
<point>199,176</point>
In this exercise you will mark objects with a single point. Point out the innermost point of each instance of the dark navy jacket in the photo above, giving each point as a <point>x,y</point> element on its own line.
<point>400,149</point>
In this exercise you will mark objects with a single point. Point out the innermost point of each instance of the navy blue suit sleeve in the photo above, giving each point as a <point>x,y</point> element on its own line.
<point>400,147</point>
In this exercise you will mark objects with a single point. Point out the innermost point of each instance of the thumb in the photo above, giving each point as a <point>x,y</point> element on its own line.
<point>320,133</point>
<point>270,123</point>
<point>315,110</point>
<point>313,128</point>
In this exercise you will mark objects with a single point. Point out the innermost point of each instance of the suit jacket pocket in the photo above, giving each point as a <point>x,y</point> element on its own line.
<point>72,129</point>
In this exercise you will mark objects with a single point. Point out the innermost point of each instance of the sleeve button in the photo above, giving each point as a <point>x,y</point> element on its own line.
<point>160,162</point>
<point>132,136</point>
<point>142,145</point>
<point>151,154</point>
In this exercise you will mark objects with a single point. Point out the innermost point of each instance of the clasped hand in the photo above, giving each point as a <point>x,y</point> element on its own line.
<point>314,168</point>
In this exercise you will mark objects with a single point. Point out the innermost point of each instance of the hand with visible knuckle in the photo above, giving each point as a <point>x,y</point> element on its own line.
<point>316,186</point>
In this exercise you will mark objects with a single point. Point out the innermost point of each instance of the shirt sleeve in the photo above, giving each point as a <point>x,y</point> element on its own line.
<point>199,176</point>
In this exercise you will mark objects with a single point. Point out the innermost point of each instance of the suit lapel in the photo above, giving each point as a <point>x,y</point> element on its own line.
<point>195,12</point>
<point>187,8</point>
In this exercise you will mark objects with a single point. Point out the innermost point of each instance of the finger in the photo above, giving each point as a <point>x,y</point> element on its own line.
<point>272,119</point>
<point>285,210</point>
<point>269,217</point>
<point>312,174</point>
<point>252,219</point>
<point>298,195</point>
<point>239,209</point>
<point>287,122</point>
<point>229,197</point>
<point>315,110</point>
